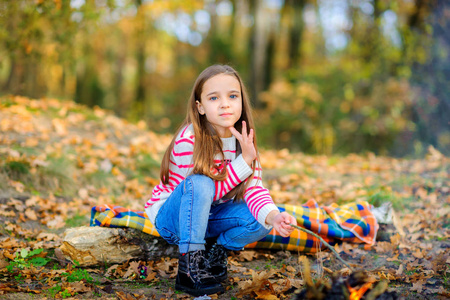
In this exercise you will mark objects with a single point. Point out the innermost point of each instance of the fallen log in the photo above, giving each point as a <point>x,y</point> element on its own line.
<point>97,245</point>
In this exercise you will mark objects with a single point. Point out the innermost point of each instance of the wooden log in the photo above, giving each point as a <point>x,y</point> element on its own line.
<point>97,245</point>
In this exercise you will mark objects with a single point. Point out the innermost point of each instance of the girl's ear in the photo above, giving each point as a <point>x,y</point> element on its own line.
<point>200,107</point>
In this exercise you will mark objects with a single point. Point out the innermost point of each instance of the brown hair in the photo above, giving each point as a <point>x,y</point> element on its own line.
<point>207,142</point>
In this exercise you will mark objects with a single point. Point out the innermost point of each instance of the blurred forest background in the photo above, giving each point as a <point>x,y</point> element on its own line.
<point>325,76</point>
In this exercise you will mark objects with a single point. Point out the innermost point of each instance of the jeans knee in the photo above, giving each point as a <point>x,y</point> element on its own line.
<point>202,184</point>
<point>258,230</point>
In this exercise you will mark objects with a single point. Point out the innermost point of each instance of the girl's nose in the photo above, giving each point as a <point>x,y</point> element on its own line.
<point>224,102</point>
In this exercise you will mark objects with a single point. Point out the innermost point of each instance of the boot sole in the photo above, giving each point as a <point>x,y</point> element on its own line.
<point>198,293</point>
<point>222,278</point>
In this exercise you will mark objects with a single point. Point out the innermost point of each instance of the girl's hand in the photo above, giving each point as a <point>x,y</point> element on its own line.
<point>246,141</point>
<point>281,221</point>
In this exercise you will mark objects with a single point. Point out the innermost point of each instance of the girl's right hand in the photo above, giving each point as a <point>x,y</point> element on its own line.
<point>246,141</point>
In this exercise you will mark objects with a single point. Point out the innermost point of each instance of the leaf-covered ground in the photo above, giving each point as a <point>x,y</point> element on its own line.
<point>58,159</point>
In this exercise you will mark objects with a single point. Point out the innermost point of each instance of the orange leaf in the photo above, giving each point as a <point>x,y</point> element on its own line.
<point>30,214</point>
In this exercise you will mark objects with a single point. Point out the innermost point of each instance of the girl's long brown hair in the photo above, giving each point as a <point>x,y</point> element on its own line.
<point>207,142</point>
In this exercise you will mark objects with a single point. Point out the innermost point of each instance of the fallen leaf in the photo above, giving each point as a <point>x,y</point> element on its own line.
<point>258,281</point>
<point>417,286</point>
<point>247,255</point>
<point>9,255</point>
<point>266,295</point>
<point>47,236</point>
<point>417,253</point>
<point>400,270</point>
<point>110,270</point>
<point>30,214</point>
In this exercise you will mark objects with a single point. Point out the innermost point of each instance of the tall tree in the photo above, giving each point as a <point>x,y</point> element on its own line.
<point>257,49</point>
<point>140,38</point>
<point>293,11</point>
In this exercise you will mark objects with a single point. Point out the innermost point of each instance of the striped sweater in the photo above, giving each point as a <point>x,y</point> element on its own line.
<point>256,196</point>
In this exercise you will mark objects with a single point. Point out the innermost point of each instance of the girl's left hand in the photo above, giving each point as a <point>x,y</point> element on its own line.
<point>246,141</point>
<point>281,223</point>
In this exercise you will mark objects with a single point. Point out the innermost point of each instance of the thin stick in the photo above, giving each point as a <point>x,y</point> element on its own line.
<point>323,241</point>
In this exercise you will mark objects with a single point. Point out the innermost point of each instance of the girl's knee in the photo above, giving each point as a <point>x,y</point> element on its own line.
<point>257,229</point>
<point>202,183</point>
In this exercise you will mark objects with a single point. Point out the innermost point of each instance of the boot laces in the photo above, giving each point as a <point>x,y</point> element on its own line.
<point>217,252</point>
<point>197,262</point>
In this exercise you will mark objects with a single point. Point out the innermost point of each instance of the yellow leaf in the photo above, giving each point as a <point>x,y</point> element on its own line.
<point>31,142</point>
<point>30,214</point>
<point>60,126</point>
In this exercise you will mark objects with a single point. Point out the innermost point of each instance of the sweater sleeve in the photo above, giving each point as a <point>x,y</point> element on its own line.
<point>258,198</point>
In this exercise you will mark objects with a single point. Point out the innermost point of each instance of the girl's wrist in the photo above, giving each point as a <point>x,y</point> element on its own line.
<point>271,217</point>
<point>249,161</point>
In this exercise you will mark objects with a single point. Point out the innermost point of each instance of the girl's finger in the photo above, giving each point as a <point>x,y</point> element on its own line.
<point>235,133</point>
<point>244,130</point>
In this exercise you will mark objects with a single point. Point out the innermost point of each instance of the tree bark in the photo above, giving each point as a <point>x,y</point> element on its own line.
<point>96,245</point>
<point>258,46</point>
<point>296,31</point>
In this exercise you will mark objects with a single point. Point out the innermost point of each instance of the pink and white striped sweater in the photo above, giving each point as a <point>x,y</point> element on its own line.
<point>256,196</point>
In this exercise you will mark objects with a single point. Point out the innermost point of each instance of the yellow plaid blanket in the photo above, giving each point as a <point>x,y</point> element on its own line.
<point>352,222</point>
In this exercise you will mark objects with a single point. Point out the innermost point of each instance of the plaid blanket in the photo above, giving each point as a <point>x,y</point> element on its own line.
<point>352,222</point>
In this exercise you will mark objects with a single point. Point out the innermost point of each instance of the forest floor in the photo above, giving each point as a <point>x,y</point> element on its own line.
<point>59,159</point>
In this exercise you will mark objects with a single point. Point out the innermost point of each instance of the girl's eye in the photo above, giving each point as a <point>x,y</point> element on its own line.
<point>233,96</point>
<point>213,98</point>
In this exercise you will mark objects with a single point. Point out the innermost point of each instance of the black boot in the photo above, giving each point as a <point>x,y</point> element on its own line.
<point>217,256</point>
<point>193,277</point>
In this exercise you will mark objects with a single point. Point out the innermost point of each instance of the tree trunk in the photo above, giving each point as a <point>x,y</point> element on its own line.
<point>296,31</point>
<point>258,47</point>
<point>98,245</point>
<point>140,95</point>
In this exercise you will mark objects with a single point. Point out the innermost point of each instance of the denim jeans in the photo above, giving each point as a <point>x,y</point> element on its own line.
<point>189,216</point>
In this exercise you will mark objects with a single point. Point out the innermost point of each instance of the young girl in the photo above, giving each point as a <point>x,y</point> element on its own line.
<point>210,198</point>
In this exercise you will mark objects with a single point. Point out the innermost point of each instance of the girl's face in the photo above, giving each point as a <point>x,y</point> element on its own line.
<point>221,103</point>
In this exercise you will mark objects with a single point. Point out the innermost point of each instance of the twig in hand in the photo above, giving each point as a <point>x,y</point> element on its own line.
<point>325,243</point>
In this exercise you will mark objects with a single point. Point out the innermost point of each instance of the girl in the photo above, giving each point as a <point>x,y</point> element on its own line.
<point>208,169</point>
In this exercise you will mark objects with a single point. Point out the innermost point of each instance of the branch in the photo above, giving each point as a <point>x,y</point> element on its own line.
<point>325,243</point>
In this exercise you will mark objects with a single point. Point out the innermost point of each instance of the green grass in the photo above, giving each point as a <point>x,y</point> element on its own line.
<point>146,165</point>
<point>78,275</point>
<point>77,220</point>
<point>57,176</point>
<point>100,179</point>
<point>54,290</point>
<point>26,150</point>
<point>333,160</point>
<point>16,169</point>
<point>377,195</point>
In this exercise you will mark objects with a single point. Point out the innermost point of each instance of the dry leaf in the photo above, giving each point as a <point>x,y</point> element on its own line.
<point>30,214</point>
<point>247,255</point>
<point>111,270</point>
<point>258,281</point>
<point>400,270</point>
<point>417,287</point>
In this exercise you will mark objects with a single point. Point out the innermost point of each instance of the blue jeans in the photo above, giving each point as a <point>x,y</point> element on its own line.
<point>189,216</point>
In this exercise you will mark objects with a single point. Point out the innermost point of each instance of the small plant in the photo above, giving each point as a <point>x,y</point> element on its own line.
<point>17,167</point>
<point>19,278</point>
<point>65,294</point>
<point>54,290</point>
<point>97,294</point>
<point>78,275</point>
<point>25,258</point>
